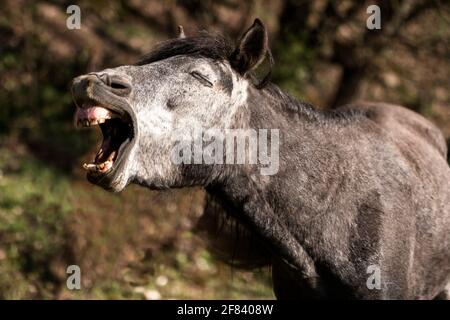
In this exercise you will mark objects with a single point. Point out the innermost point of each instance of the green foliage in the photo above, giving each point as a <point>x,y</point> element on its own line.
<point>294,62</point>
<point>33,206</point>
<point>36,104</point>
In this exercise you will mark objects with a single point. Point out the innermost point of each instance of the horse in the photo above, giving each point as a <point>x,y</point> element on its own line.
<point>358,203</point>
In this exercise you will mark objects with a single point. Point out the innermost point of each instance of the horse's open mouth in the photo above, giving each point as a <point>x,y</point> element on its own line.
<point>117,131</point>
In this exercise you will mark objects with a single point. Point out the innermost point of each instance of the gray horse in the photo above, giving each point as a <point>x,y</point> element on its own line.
<point>359,206</point>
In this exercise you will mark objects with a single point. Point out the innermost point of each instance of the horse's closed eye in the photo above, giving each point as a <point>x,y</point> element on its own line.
<point>201,78</point>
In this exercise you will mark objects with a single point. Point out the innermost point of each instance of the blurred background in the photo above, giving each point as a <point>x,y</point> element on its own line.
<point>141,243</point>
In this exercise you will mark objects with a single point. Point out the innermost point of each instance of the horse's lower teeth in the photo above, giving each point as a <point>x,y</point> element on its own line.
<point>92,167</point>
<point>89,166</point>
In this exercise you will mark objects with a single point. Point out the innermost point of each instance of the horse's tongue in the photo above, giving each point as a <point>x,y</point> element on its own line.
<point>93,112</point>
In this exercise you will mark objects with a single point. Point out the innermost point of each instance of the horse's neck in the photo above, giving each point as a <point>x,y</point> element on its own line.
<point>272,108</point>
<point>310,153</point>
<point>312,147</point>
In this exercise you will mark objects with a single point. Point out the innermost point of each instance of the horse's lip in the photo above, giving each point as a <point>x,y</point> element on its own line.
<point>97,92</point>
<point>109,179</point>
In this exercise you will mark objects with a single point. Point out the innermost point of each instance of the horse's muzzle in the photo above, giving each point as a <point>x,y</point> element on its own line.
<point>83,87</point>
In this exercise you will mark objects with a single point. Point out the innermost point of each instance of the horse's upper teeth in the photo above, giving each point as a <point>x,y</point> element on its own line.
<point>91,122</point>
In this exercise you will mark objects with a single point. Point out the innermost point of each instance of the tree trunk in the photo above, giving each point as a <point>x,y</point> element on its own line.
<point>349,86</point>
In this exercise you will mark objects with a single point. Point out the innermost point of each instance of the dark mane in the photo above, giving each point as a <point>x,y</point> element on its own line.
<point>208,45</point>
<point>287,102</point>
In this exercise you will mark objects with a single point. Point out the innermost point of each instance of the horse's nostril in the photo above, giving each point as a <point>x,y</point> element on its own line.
<point>115,84</point>
<point>118,85</point>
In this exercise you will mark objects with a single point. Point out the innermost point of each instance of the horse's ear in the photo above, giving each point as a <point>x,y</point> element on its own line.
<point>251,49</point>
